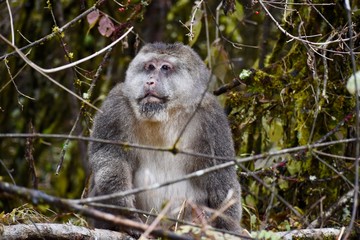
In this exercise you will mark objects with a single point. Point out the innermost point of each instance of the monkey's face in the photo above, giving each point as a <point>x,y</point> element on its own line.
<point>161,80</point>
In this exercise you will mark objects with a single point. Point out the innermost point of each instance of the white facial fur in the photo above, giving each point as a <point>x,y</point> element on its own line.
<point>177,86</point>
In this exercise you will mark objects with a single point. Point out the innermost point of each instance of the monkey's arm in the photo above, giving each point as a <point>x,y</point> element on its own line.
<point>222,186</point>
<point>110,168</point>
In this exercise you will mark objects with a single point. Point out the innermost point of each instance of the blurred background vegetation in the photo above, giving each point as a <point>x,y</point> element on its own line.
<point>293,92</point>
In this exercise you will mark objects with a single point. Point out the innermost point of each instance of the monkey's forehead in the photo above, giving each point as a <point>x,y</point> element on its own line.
<point>157,57</point>
<point>177,50</point>
<point>161,47</point>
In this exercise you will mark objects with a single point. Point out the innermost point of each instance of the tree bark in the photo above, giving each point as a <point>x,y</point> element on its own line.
<point>57,231</point>
<point>70,232</point>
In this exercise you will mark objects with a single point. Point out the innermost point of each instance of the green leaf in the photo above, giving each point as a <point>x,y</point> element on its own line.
<point>283,184</point>
<point>294,167</point>
<point>245,73</point>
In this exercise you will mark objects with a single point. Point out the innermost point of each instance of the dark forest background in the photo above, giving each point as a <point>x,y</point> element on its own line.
<point>280,69</point>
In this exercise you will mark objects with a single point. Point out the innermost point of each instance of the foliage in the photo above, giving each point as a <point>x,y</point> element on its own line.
<point>288,103</point>
<point>28,214</point>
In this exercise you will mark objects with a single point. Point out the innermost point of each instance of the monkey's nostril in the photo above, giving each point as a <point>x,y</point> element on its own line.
<point>150,83</point>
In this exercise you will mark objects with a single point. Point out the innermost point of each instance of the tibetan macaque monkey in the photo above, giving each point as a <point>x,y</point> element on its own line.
<point>163,93</point>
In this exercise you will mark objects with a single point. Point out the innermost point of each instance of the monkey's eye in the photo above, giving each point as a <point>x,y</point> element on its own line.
<point>150,67</point>
<point>165,67</point>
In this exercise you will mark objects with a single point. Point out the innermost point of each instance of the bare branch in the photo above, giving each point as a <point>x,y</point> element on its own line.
<point>11,22</point>
<point>340,203</point>
<point>322,233</point>
<point>66,66</point>
<point>57,231</point>
<point>37,68</point>
<point>37,197</point>
<point>51,35</point>
<point>229,163</point>
<point>278,25</point>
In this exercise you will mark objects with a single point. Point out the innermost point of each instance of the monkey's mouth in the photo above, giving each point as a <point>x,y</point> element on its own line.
<point>152,98</point>
<point>151,103</point>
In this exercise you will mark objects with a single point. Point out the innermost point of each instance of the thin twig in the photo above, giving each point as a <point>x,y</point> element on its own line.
<point>278,25</point>
<point>342,201</point>
<point>73,64</point>
<point>192,20</point>
<point>37,68</point>
<point>8,172</point>
<point>66,145</point>
<point>51,35</point>
<point>333,169</point>
<point>157,220</point>
<point>11,22</point>
<point>13,81</point>
<point>88,96</point>
<point>207,36</point>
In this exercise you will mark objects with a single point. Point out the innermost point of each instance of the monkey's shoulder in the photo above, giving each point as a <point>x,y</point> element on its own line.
<point>211,110</point>
<point>113,117</point>
<point>215,125</point>
<point>116,103</point>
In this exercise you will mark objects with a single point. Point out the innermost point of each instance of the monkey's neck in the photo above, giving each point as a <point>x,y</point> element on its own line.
<point>160,133</point>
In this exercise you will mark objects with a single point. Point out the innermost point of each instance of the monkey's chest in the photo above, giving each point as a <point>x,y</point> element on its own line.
<point>159,167</point>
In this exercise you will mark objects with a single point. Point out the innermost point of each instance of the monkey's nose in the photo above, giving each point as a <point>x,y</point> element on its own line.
<point>150,82</point>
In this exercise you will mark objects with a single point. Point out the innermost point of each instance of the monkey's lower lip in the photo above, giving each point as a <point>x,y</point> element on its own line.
<point>151,98</point>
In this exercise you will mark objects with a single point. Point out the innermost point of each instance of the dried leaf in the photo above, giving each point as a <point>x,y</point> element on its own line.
<point>92,18</point>
<point>106,26</point>
<point>220,59</point>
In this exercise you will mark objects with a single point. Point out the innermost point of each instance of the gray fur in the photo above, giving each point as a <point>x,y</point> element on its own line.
<point>151,108</point>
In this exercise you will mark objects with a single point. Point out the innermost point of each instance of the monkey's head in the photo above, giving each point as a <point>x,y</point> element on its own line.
<point>163,78</point>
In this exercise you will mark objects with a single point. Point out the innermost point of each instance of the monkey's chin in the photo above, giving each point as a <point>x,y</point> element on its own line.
<point>153,111</point>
